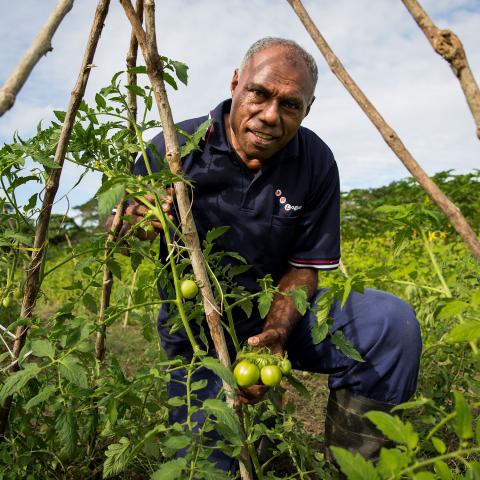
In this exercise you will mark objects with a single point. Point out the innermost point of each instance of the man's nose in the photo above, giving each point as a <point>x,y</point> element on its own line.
<point>270,113</point>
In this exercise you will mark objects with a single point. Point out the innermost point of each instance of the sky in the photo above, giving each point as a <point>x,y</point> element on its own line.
<point>376,40</point>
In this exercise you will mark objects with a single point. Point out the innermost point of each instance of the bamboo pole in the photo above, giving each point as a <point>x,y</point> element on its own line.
<point>41,45</point>
<point>190,236</point>
<point>448,208</point>
<point>450,48</point>
<point>107,282</point>
<point>33,280</point>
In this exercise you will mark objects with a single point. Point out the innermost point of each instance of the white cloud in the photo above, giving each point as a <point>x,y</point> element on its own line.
<point>378,42</point>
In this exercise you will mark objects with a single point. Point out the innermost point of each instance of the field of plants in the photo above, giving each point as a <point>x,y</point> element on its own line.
<point>86,393</point>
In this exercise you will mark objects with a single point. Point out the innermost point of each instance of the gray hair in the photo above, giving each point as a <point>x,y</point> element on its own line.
<point>293,48</point>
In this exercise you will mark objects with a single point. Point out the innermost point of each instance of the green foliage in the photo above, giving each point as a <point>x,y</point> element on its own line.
<point>408,458</point>
<point>360,217</point>
<point>73,416</point>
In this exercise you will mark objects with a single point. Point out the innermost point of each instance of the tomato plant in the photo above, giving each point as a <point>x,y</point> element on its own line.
<point>93,418</point>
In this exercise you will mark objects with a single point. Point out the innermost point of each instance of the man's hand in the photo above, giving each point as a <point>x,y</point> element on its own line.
<point>281,320</point>
<point>272,338</point>
<point>136,212</point>
<point>251,395</point>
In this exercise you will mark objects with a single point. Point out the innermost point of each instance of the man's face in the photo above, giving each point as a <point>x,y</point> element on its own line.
<point>270,98</point>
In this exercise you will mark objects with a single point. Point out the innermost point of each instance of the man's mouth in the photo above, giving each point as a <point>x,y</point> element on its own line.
<point>262,136</point>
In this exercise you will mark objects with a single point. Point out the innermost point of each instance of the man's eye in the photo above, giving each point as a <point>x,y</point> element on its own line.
<point>291,105</point>
<point>259,93</point>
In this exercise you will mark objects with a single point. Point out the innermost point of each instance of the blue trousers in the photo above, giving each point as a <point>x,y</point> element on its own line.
<point>382,328</point>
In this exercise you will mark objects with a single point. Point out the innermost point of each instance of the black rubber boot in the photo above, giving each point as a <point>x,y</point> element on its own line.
<point>346,427</point>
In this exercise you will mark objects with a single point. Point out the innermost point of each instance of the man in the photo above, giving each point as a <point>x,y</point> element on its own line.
<point>276,185</point>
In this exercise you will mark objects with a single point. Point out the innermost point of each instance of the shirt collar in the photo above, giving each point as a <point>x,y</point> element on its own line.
<point>217,138</point>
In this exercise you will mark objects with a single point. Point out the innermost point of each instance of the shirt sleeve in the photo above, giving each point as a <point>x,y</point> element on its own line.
<point>317,244</point>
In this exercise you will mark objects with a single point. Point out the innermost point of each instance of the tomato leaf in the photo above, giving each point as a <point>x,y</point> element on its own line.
<point>118,455</point>
<point>442,470</point>
<point>451,309</point>
<point>17,380</point>
<point>439,445</point>
<point>298,386</point>
<point>171,470</point>
<point>300,299</point>
<point>73,371</point>
<point>213,234</point>
<point>108,199</point>
<point>227,421</point>
<point>341,341</point>
<point>41,396</point>
<point>355,467</point>
<point>192,141</point>
<point>391,461</point>
<point>177,443</point>
<point>463,419</point>
<point>264,303</point>
<point>181,70</point>
<point>43,348</point>
<point>464,332</point>
<point>67,429</point>
<point>393,428</point>
<point>219,369</point>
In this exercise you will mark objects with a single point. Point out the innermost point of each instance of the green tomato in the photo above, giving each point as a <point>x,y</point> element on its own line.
<point>285,366</point>
<point>7,302</point>
<point>188,289</point>
<point>17,293</point>
<point>271,375</point>
<point>246,374</point>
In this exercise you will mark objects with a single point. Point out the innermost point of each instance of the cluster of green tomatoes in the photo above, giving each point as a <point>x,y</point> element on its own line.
<point>260,365</point>
<point>251,366</point>
<point>10,294</point>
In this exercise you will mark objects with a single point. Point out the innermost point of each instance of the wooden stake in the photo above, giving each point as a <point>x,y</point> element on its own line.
<point>190,236</point>
<point>107,283</point>
<point>449,46</point>
<point>40,47</point>
<point>33,281</point>
<point>449,209</point>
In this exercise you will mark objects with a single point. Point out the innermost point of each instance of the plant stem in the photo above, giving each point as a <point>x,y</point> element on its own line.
<point>438,271</point>
<point>456,454</point>
<point>250,446</point>
<point>130,298</point>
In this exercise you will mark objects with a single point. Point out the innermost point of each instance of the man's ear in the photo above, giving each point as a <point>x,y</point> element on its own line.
<point>234,82</point>
<point>308,108</point>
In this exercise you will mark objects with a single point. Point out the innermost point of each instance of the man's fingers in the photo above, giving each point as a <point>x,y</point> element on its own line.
<point>251,395</point>
<point>136,210</point>
<point>156,225</point>
<point>264,339</point>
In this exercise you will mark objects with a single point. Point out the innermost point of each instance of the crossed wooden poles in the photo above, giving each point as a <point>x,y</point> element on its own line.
<point>444,42</point>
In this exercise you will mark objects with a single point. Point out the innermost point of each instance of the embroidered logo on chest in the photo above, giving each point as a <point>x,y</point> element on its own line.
<point>284,203</point>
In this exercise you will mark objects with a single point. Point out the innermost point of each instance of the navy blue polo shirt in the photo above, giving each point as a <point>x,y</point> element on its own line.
<point>286,214</point>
